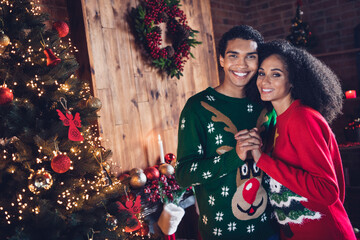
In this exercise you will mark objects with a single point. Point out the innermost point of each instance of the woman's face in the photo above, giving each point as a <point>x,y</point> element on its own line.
<point>273,82</point>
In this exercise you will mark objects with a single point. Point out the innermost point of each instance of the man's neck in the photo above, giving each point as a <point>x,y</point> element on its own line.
<point>231,91</point>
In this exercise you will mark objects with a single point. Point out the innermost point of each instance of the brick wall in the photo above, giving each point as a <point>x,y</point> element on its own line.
<point>331,21</point>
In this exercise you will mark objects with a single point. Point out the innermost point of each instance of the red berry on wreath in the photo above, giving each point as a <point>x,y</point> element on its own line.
<point>6,95</point>
<point>61,27</point>
<point>61,163</point>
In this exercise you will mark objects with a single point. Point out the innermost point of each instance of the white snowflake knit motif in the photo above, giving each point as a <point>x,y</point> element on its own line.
<point>232,226</point>
<point>210,98</point>
<point>219,216</point>
<point>263,217</point>
<point>218,139</point>
<point>216,159</point>
<point>225,191</point>
<point>182,126</point>
<point>210,127</point>
<point>193,167</point>
<point>211,200</point>
<point>250,108</point>
<point>200,150</point>
<point>206,175</point>
<point>217,232</point>
<point>205,219</point>
<point>250,228</point>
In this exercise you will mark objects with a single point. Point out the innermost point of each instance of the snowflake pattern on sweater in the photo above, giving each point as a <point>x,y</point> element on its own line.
<point>232,201</point>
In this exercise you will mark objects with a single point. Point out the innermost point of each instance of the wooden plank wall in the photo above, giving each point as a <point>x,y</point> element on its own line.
<point>138,102</point>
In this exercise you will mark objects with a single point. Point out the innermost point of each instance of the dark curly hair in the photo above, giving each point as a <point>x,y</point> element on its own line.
<point>242,31</point>
<point>314,83</point>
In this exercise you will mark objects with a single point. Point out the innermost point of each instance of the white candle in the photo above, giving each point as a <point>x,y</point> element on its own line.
<point>162,157</point>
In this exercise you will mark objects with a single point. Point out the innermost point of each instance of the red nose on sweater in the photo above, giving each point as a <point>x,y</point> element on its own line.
<point>250,189</point>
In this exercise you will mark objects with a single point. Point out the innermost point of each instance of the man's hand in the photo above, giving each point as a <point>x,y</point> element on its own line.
<point>248,141</point>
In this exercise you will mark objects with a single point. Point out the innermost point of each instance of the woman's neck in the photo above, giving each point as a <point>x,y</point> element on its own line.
<point>282,105</point>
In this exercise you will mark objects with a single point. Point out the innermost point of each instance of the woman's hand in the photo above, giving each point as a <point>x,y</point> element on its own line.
<point>248,141</point>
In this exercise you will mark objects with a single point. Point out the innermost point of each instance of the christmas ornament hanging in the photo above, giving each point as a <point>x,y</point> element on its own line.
<point>152,173</point>
<point>73,123</point>
<point>111,222</point>
<point>61,27</point>
<point>6,95</point>
<point>4,41</point>
<point>166,169</point>
<point>138,180</point>
<point>51,59</point>
<point>94,103</point>
<point>170,59</point>
<point>133,207</point>
<point>169,157</point>
<point>61,163</point>
<point>40,181</point>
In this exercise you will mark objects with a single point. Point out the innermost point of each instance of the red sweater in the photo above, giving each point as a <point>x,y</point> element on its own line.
<point>307,188</point>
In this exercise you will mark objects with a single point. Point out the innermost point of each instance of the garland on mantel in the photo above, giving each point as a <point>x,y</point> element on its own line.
<point>147,16</point>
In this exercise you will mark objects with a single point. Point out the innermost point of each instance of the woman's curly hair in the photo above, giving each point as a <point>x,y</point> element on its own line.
<point>314,83</point>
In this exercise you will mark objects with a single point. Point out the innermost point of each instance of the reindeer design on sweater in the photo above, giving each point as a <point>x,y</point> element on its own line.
<point>250,198</point>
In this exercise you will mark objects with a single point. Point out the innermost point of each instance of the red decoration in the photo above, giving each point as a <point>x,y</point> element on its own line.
<point>123,176</point>
<point>152,173</point>
<point>169,157</point>
<point>51,59</point>
<point>350,94</point>
<point>144,230</point>
<point>6,95</point>
<point>61,163</point>
<point>74,133</point>
<point>61,27</point>
<point>133,208</point>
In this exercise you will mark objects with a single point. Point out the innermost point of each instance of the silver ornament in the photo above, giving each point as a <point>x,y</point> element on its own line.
<point>135,171</point>
<point>111,222</point>
<point>166,169</point>
<point>138,180</point>
<point>40,180</point>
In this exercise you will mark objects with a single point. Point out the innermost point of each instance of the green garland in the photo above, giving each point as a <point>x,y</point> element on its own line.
<point>147,16</point>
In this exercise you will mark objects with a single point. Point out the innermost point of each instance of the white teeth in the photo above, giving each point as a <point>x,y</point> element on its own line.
<point>240,74</point>
<point>266,90</point>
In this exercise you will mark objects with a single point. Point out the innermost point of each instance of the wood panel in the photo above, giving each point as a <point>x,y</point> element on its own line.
<point>139,103</point>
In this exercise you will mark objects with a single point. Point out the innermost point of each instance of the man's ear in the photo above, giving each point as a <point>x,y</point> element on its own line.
<point>221,60</point>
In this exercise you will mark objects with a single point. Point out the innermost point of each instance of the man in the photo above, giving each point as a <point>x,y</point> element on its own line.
<point>228,187</point>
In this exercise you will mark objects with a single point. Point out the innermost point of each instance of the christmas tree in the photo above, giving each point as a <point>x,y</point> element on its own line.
<point>300,35</point>
<point>54,178</point>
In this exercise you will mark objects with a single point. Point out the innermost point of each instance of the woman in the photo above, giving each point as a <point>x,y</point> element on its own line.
<point>306,181</point>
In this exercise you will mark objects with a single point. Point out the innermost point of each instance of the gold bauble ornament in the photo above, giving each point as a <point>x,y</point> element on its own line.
<point>166,169</point>
<point>4,41</point>
<point>138,180</point>
<point>94,103</point>
<point>135,171</point>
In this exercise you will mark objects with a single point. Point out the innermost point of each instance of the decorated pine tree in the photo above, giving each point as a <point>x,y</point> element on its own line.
<point>300,34</point>
<point>54,179</point>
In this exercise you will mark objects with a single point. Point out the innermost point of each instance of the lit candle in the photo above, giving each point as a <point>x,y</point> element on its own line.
<point>350,94</point>
<point>162,157</point>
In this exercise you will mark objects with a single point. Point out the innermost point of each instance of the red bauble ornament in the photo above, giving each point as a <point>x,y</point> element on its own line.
<point>123,176</point>
<point>169,157</point>
<point>144,230</point>
<point>61,163</point>
<point>152,173</point>
<point>61,27</point>
<point>6,95</point>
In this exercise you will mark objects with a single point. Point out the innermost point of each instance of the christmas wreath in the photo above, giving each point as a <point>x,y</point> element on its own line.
<point>146,18</point>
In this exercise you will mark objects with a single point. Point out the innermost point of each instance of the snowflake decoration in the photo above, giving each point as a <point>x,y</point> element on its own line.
<point>182,126</point>
<point>207,175</point>
<point>225,191</point>
<point>200,150</point>
<point>218,139</point>
<point>250,108</point>
<point>211,200</point>
<point>232,226</point>
<point>263,217</point>
<point>250,228</point>
<point>205,219</point>
<point>216,159</point>
<point>193,167</point>
<point>219,216</point>
<point>210,127</point>
<point>210,98</point>
<point>217,232</point>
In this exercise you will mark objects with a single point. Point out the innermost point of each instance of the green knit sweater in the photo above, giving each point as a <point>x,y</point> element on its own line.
<point>232,202</point>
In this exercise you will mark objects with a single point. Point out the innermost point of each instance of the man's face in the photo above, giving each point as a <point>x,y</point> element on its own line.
<point>240,62</point>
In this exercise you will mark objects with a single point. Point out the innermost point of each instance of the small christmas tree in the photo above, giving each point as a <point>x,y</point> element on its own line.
<point>300,35</point>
